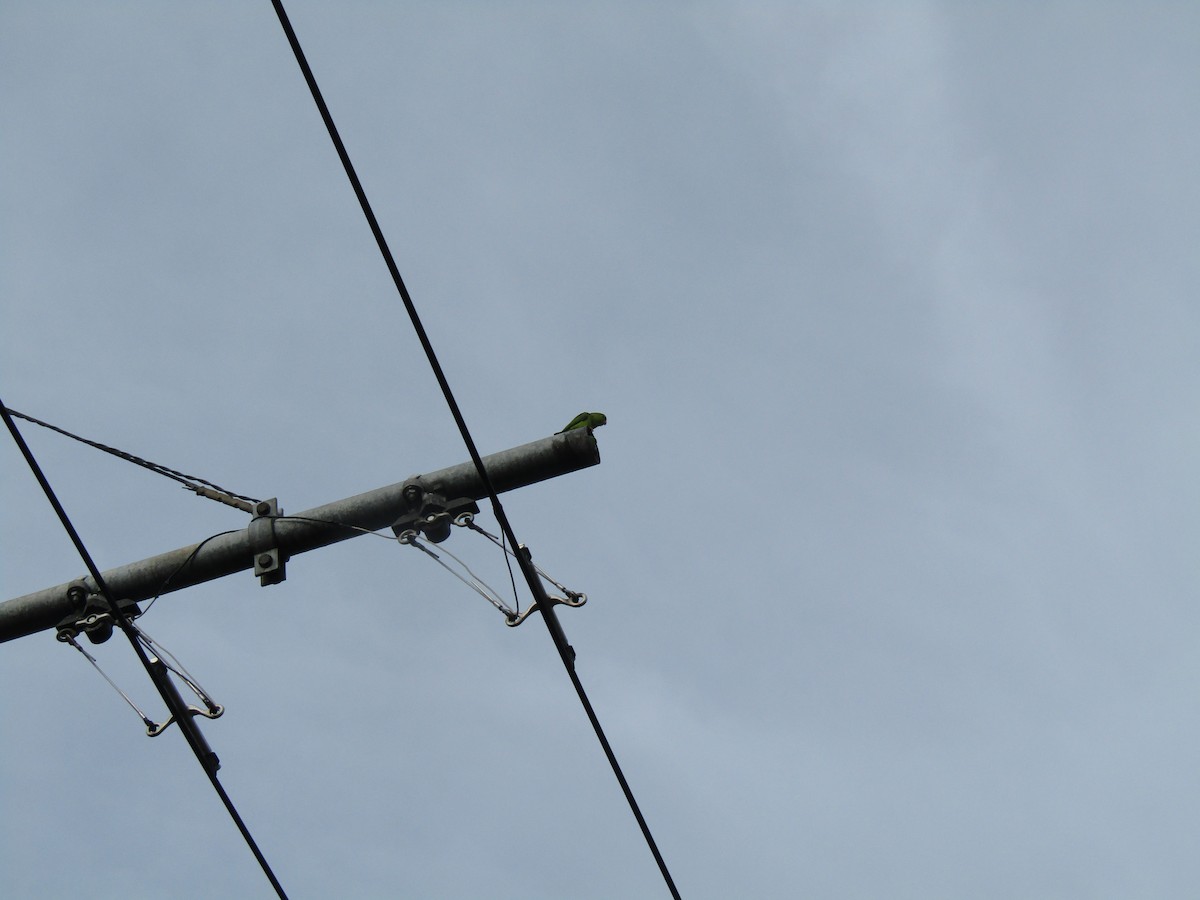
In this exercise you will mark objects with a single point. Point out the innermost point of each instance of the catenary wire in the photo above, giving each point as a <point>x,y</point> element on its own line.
<point>190,734</point>
<point>565,651</point>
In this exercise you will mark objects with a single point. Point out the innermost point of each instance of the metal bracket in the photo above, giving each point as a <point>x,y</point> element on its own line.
<point>573,600</point>
<point>214,712</point>
<point>431,513</point>
<point>182,715</point>
<point>269,560</point>
<point>94,617</point>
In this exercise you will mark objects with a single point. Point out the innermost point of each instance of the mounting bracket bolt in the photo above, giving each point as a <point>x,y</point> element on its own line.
<point>269,560</point>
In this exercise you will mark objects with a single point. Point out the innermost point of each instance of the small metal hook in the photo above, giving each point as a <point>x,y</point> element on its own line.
<point>213,712</point>
<point>574,601</point>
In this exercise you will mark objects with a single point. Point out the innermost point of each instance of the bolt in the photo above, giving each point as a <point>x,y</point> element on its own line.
<point>263,508</point>
<point>412,493</point>
<point>264,561</point>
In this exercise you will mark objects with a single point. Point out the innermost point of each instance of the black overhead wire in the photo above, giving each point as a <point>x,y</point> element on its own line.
<point>191,482</point>
<point>565,651</point>
<point>154,668</point>
<point>183,565</point>
<point>191,557</point>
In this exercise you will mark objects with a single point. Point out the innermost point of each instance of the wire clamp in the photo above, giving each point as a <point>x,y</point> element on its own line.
<point>213,712</point>
<point>94,618</point>
<point>182,715</point>
<point>269,561</point>
<point>573,600</point>
<point>430,513</point>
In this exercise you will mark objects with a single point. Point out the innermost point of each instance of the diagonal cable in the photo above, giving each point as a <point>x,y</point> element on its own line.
<point>146,720</point>
<point>192,482</point>
<point>565,651</point>
<point>186,726</point>
<point>470,523</point>
<point>471,580</point>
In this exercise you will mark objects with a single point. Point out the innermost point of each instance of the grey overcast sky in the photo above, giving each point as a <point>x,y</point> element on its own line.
<point>892,553</point>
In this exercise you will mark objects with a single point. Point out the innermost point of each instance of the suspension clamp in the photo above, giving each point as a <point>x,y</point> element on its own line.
<point>154,729</point>
<point>94,618</point>
<point>178,706</point>
<point>269,560</point>
<point>430,513</point>
<point>573,600</point>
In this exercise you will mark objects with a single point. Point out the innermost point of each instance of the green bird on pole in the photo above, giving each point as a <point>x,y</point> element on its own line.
<point>588,420</point>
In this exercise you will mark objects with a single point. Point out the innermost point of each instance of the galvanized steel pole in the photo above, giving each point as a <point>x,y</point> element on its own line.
<point>235,552</point>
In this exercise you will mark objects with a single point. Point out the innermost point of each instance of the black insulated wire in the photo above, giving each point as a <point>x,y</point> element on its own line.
<point>193,483</point>
<point>565,651</point>
<point>157,673</point>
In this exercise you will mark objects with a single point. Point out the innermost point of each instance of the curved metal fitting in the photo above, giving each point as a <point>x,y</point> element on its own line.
<point>94,618</point>
<point>573,600</point>
<point>213,712</point>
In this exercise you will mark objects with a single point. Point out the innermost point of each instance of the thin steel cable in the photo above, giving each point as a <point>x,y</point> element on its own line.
<point>183,565</point>
<point>146,720</point>
<point>172,662</point>
<point>474,582</point>
<point>191,482</point>
<point>195,550</point>
<point>470,523</point>
<point>126,626</point>
<point>358,528</point>
<point>549,617</point>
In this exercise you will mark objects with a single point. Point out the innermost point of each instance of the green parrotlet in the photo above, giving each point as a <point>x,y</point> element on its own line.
<point>588,420</point>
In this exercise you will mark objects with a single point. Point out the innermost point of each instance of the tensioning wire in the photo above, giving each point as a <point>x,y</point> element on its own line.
<point>193,483</point>
<point>471,580</point>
